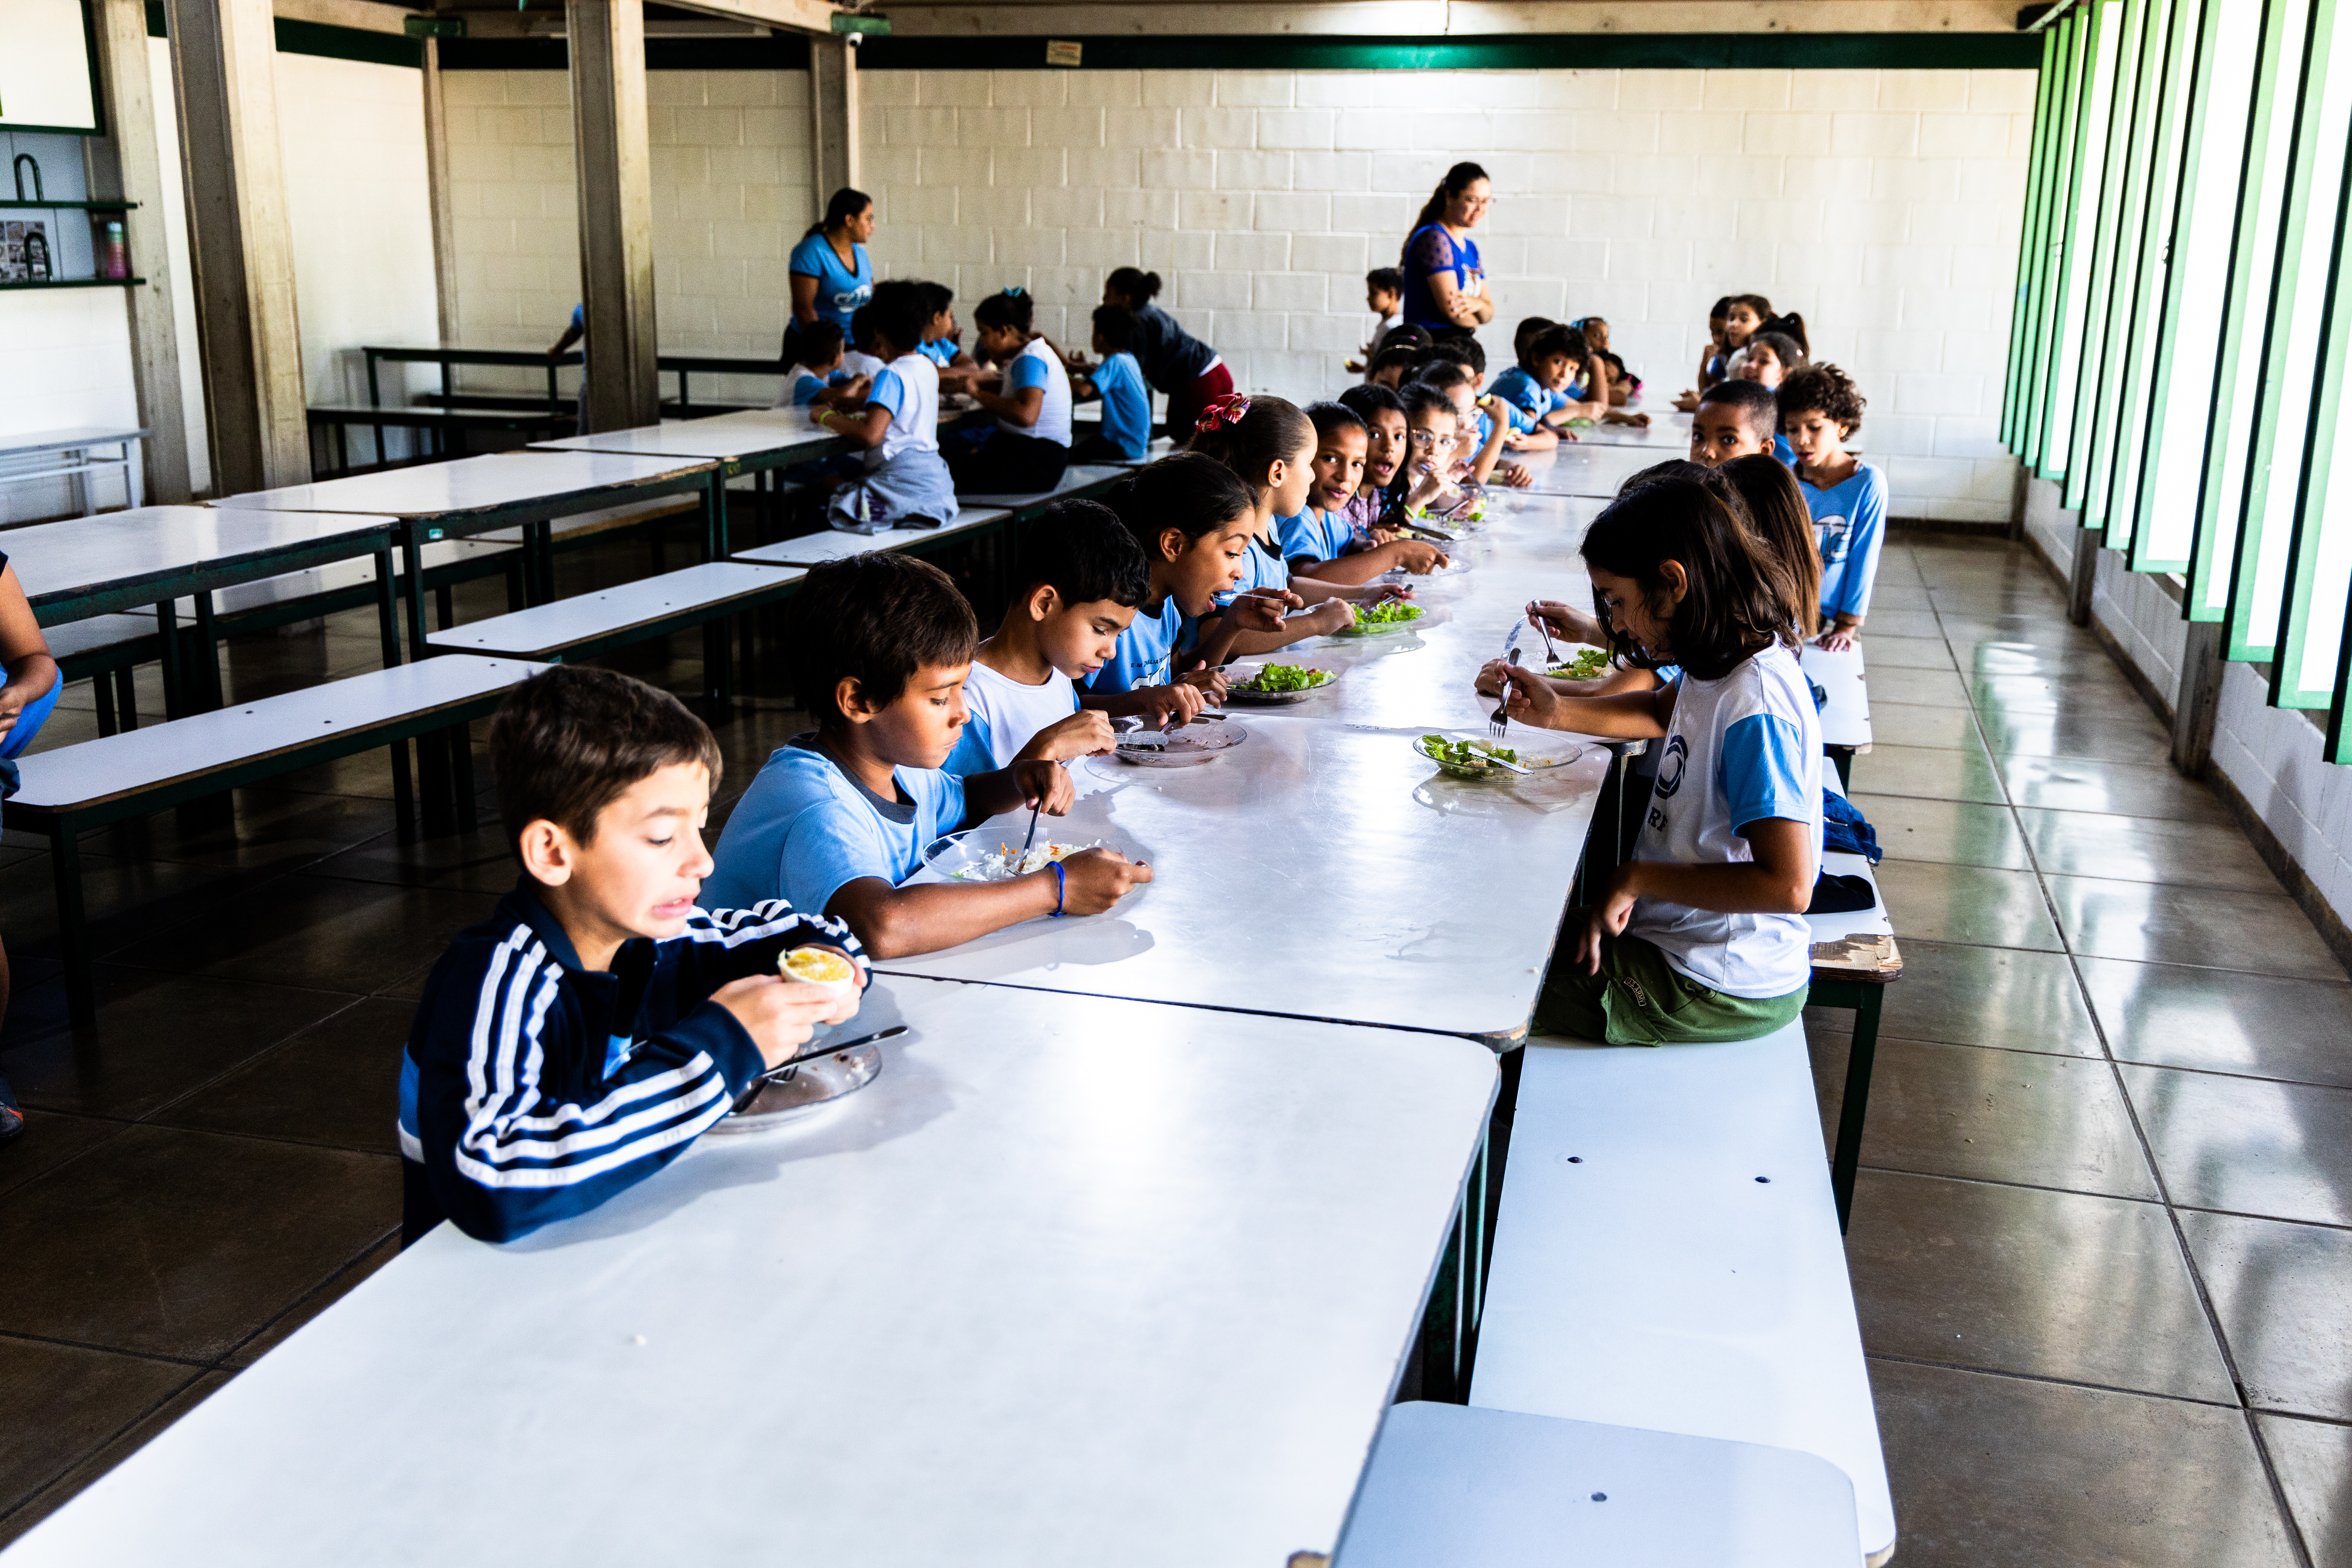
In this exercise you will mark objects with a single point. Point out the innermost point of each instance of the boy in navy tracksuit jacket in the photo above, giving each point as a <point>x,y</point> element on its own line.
<point>580,1039</point>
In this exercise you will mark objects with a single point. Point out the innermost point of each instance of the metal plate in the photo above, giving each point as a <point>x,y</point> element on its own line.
<point>1188,748</point>
<point>1236,694</point>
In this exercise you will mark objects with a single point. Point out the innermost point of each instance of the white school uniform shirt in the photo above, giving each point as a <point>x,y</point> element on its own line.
<point>908,386</point>
<point>1037,365</point>
<point>855,363</point>
<point>1739,749</point>
<point>801,386</point>
<point>1006,715</point>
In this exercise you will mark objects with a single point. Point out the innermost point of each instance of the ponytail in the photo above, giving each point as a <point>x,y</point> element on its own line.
<point>1134,284</point>
<point>1457,180</point>
<point>846,203</point>
<point>1012,308</point>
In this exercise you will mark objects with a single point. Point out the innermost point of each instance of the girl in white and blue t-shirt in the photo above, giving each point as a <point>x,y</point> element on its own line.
<point>1026,452</point>
<point>1701,936</point>
<point>812,352</point>
<point>905,483</point>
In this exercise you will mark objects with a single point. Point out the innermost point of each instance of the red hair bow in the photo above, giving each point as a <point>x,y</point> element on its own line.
<point>1223,413</point>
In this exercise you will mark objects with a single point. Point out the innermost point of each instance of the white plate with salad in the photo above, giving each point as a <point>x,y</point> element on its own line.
<point>1373,620</point>
<point>986,855</point>
<point>1474,754</point>
<point>1276,685</point>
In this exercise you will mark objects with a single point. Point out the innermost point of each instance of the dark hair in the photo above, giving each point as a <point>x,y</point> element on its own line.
<point>1736,601</point>
<point>806,340</point>
<point>1134,284</point>
<point>1827,388</point>
<point>1527,328</point>
<point>1720,308</point>
<point>936,297</point>
<point>1554,338</point>
<point>1442,372</point>
<point>567,742</point>
<point>1404,334</point>
<point>846,203</point>
<point>1786,349</point>
<point>1367,400</point>
<point>1756,404</point>
<point>1792,326</point>
<point>1467,352</point>
<point>1268,434</point>
<point>861,329</point>
<point>1419,397</point>
<point>1082,550</point>
<point>1387,279</point>
<point>1328,417</point>
<point>876,619</point>
<point>1458,179</point>
<point>898,312</point>
<point>1116,325</point>
<point>1755,302</point>
<point>1403,357</point>
<point>1188,491</point>
<point>1776,511</point>
<point>1008,308</point>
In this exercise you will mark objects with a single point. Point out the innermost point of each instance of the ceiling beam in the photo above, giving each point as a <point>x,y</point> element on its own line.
<point>1451,18</point>
<point>792,15</point>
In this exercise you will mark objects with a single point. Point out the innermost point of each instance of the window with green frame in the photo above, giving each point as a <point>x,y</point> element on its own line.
<point>2114,249</point>
<point>2081,226</point>
<point>2074,51</point>
<point>2014,396</point>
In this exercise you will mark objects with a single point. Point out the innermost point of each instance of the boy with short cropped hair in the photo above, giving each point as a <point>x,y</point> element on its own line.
<point>1384,297</point>
<point>1735,419</point>
<point>880,645</point>
<point>580,1039</point>
<point>1081,574</point>
<point>1821,409</point>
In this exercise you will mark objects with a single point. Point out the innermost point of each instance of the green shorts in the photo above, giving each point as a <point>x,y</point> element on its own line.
<point>1639,999</point>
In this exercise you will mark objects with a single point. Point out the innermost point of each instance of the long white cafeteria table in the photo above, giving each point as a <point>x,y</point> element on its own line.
<point>1073,1279</point>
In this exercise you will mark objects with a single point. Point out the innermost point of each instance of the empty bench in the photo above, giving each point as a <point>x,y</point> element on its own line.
<point>1667,1257</point>
<point>1453,1485</point>
<point>67,792</point>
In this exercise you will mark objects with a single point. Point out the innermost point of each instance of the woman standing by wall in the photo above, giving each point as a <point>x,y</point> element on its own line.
<point>830,272</point>
<point>1444,286</point>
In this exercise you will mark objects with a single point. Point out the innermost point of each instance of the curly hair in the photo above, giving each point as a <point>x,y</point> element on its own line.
<point>1825,387</point>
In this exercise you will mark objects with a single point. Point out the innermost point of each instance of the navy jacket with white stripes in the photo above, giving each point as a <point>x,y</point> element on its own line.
<point>532,1089</point>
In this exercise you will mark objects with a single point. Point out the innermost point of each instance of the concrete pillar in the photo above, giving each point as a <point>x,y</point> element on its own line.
<point>614,161</point>
<point>833,101</point>
<point>223,61</point>
<point>2197,705</point>
<point>436,179</point>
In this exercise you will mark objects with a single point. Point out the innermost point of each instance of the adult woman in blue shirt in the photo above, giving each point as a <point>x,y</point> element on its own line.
<point>1444,286</point>
<point>831,275</point>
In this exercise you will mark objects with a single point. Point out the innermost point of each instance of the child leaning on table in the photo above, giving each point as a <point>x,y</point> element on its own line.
<point>1701,936</point>
<point>880,645</point>
<point>1821,409</point>
<point>577,1040</point>
<point>905,481</point>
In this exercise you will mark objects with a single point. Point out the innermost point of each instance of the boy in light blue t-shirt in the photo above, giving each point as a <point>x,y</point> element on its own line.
<point>881,644</point>
<point>1821,409</point>
<point>1126,399</point>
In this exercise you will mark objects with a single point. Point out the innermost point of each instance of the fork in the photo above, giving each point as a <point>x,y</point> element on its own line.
<point>1501,720</point>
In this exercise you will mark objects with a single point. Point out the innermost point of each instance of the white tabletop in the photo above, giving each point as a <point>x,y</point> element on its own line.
<point>1845,715</point>
<point>57,563</point>
<point>448,490</point>
<point>839,544</point>
<point>1453,1485</point>
<point>1071,1276</point>
<point>756,432</point>
<point>1657,1282</point>
<point>71,438</point>
<point>1592,468</point>
<point>1316,870</point>
<point>1668,433</point>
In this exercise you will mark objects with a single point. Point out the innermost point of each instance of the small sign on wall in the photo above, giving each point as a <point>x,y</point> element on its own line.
<point>1064,52</point>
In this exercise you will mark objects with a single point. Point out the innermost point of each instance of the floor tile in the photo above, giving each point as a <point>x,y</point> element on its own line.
<point>2120,789</point>
<point>65,1401</point>
<point>137,1437</point>
<point>2279,1291</point>
<point>2063,1284</point>
<point>337,1083</point>
<point>182,1244</point>
<point>2314,1460</point>
<point>1900,597</point>
<point>1964,995</point>
<point>481,861</point>
<point>322,932</point>
<point>1929,774</point>
<point>264,829</point>
<point>123,900</point>
<point>2004,1472</point>
<point>1885,621</point>
<point>1936,688</point>
<point>2260,1025</point>
<point>1915,724</point>
<point>1966,903</point>
<point>1987,1115</point>
<point>2251,1145</point>
<point>49,1141</point>
<point>280,1328</point>
<point>1955,833</point>
<point>2122,735</point>
<point>1887,652</point>
<point>157,1037</point>
<point>2146,850</point>
<point>2264,933</point>
<point>2075,686</point>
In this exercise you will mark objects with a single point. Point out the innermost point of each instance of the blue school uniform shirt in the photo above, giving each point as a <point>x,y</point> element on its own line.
<point>941,352</point>
<point>1523,399</point>
<point>801,386</point>
<point>1126,405</point>
<point>1141,655</point>
<point>840,290</point>
<point>805,829</point>
<point>1849,525</point>
<point>1321,535</point>
<point>1782,451</point>
<point>1260,568</point>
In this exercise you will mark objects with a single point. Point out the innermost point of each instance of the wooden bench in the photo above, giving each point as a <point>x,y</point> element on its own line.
<point>839,544</point>
<point>1453,1485</point>
<point>73,789</point>
<point>1667,1257</point>
<point>330,423</point>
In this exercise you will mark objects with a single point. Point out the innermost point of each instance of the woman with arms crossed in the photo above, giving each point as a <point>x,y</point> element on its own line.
<point>1444,286</point>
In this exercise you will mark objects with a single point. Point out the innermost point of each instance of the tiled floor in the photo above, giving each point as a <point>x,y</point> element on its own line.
<point>2102,1248</point>
<point>2102,1245</point>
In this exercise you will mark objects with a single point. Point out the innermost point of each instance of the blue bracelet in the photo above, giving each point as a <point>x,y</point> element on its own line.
<point>1061,889</point>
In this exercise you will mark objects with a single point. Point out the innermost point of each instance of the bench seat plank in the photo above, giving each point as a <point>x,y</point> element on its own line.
<point>839,544</point>
<point>1453,1485</point>
<point>1858,944</point>
<point>1079,479</point>
<point>1643,1276</point>
<point>625,614</point>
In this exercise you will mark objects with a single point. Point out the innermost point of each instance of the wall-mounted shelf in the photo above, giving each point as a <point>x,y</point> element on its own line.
<point>78,206</point>
<point>79,283</point>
